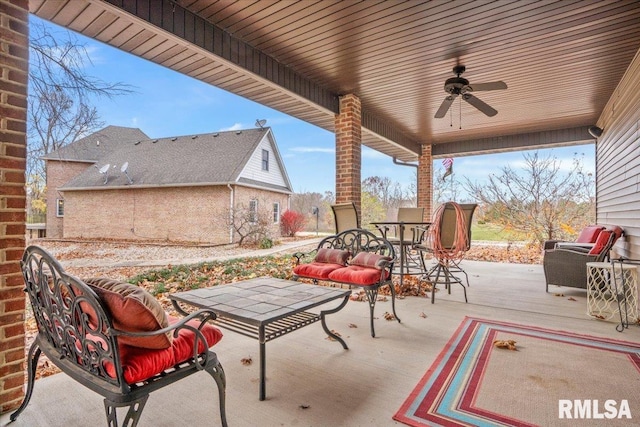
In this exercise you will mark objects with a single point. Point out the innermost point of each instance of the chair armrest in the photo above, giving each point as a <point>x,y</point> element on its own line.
<point>299,255</point>
<point>551,244</point>
<point>203,315</point>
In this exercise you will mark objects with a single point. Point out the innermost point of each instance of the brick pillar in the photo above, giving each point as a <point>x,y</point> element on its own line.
<point>348,151</point>
<point>14,57</point>
<point>425,181</point>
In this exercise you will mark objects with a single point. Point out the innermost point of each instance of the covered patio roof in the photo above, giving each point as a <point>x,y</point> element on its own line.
<point>561,61</point>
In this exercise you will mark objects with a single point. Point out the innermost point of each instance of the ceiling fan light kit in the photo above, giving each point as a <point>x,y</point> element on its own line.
<point>456,86</point>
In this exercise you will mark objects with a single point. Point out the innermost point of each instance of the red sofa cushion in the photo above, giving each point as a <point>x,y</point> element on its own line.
<point>138,364</point>
<point>368,259</point>
<point>357,275</point>
<point>589,234</point>
<point>316,270</point>
<point>132,309</point>
<point>601,242</point>
<point>332,256</point>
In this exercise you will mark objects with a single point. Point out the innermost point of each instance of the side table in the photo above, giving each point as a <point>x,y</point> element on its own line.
<point>612,291</point>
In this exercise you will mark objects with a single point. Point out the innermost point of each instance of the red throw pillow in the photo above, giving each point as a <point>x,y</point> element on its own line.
<point>601,242</point>
<point>332,256</point>
<point>589,234</point>
<point>133,309</point>
<point>368,259</point>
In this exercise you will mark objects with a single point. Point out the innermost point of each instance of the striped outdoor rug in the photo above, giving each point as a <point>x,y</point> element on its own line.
<point>554,378</point>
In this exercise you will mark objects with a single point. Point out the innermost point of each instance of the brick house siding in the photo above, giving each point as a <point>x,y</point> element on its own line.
<point>348,132</point>
<point>14,56</point>
<point>193,214</point>
<point>58,172</point>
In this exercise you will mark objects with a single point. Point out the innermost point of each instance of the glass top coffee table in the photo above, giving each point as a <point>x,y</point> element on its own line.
<point>264,308</point>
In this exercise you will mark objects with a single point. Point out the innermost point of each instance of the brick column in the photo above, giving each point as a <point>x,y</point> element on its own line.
<point>348,151</point>
<point>425,181</point>
<point>14,57</point>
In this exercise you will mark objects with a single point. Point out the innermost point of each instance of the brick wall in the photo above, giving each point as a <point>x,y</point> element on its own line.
<point>194,214</point>
<point>348,151</point>
<point>13,103</point>
<point>425,181</point>
<point>58,173</point>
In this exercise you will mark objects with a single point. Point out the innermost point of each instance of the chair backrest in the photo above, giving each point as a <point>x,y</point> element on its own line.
<point>449,223</point>
<point>345,216</point>
<point>411,215</point>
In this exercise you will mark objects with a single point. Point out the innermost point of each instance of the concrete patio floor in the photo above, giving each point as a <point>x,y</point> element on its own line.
<point>314,382</point>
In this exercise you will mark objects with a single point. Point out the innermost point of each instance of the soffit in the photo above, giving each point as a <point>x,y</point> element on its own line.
<point>561,60</point>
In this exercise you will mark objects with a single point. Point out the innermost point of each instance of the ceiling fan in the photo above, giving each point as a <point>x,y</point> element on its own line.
<point>455,86</point>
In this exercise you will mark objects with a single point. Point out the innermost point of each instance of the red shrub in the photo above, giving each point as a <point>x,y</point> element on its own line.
<point>291,222</point>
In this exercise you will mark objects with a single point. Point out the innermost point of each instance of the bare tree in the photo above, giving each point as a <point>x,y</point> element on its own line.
<point>60,93</point>
<point>251,223</point>
<point>445,188</point>
<point>540,199</point>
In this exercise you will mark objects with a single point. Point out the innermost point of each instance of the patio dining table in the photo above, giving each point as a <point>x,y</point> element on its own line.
<point>404,266</point>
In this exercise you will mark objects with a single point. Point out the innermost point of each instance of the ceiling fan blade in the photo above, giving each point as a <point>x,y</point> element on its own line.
<point>477,87</point>
<point>480,105</point>
<point>444,107</point>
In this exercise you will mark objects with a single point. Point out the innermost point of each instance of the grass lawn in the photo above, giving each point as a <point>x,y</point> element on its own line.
<point>493,232</point>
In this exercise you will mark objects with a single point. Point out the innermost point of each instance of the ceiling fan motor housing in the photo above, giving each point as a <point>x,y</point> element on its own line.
<point>456,85</point>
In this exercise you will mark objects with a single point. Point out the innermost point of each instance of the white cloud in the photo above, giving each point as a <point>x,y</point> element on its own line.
<point>312,150</point>
<point>236,126</point>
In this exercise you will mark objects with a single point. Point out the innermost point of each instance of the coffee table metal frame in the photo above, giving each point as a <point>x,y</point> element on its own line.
<point>264,308</point>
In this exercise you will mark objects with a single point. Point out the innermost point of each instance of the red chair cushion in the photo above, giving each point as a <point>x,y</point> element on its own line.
<point>368,259</point>
<point>138,364</point>
<point>332,256</point>
<point>316,270</point>
<point>132,309</point>
<point>589,234</point>
<point>601,242</point>
<point>357,275</point>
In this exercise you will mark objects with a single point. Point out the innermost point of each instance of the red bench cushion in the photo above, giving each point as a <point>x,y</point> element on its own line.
<point>589,234</point>
<point>332,256</point>
<point>138,364</point>
<point>357,275</point>
<point>367,259</point>
<point>316,270</point>
<point>133,309</point>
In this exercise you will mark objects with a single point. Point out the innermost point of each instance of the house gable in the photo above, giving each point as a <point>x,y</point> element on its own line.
<point>270,171</point>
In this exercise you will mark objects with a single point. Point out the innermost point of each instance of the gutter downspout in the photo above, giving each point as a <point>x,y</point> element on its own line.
<point>398,162</point>
<point>231,204</point>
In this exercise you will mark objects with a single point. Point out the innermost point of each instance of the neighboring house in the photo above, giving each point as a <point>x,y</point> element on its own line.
<point>120,184</point>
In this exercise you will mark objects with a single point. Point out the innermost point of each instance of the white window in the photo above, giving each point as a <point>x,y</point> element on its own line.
<point>253,211</point>
<point>59,207</point>
<point>276,213</point>
<point>265,160</point>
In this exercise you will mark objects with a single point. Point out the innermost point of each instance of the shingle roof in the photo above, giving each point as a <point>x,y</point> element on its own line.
<point>98,144</point>
<point>214,158</point>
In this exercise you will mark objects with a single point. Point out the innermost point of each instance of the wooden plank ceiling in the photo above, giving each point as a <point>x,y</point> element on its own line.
<point>561,60</point>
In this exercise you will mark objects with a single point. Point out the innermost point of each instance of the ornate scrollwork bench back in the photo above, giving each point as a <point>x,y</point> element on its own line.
<point>76,332</point>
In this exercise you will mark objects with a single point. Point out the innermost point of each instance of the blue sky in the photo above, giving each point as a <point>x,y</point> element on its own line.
<point>166,103</point>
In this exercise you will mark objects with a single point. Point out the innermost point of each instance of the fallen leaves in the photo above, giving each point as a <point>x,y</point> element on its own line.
<point>334,332</point>
<point>246,361</point>
<point>353,325</point>
<point>389,316</point>
<point>506,344</point>
<point>423,315</point>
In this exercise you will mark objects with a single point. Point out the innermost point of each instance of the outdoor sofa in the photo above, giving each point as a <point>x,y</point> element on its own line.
<point>565,263</point>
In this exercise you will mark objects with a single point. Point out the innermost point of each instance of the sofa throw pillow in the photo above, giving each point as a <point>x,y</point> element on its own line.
<point>132,309</point>
<point>332,256</point>
<point>601,242</point>
<point>589,234</point>
<point>368,259</point>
